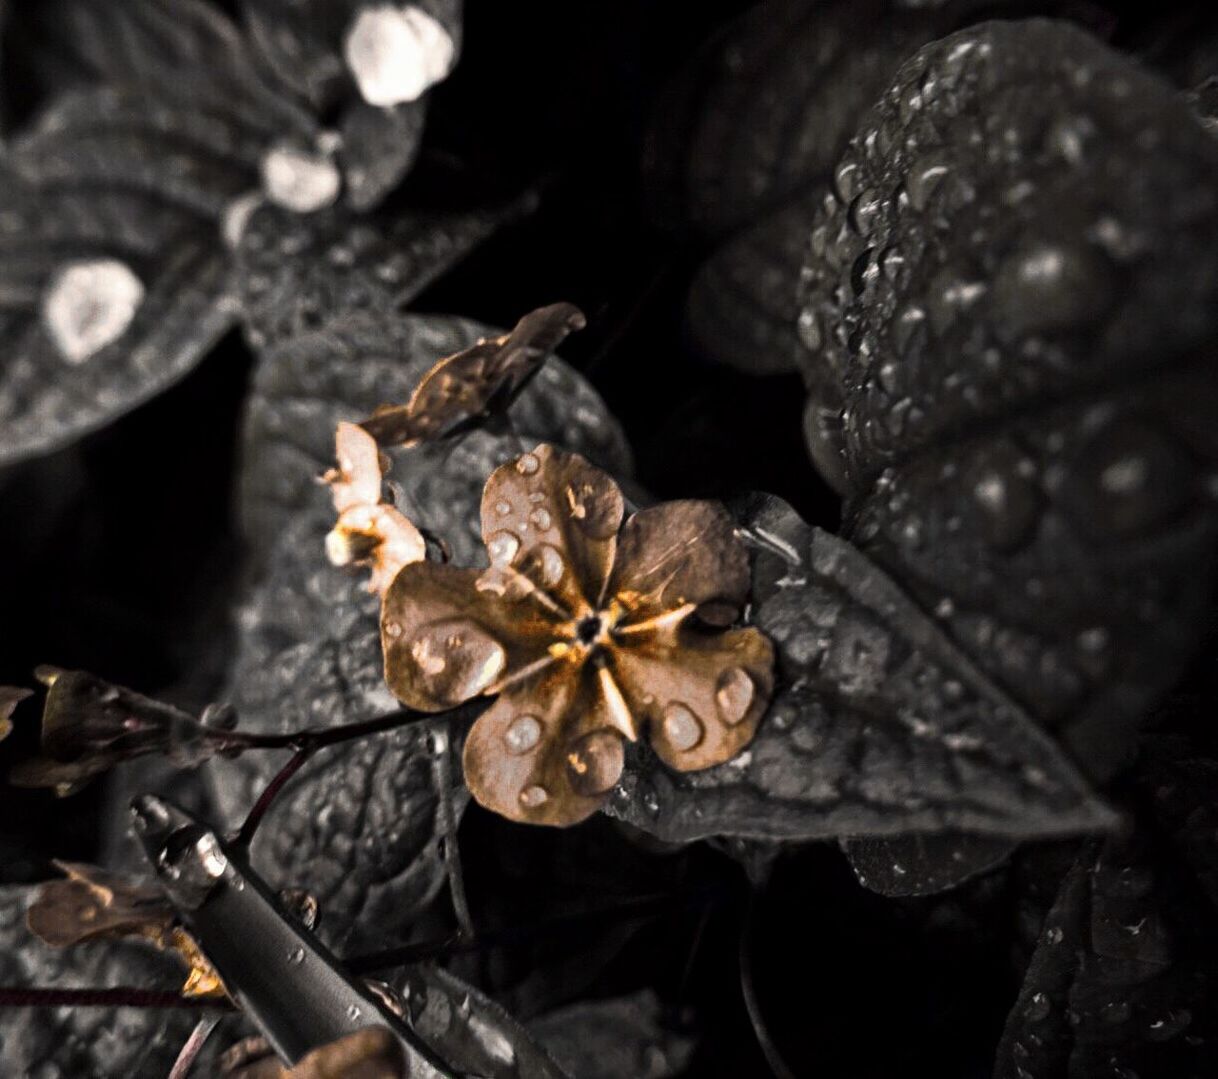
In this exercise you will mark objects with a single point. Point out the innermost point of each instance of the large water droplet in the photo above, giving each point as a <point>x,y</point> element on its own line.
<point>734,693</point>
<point>532,797</point>
<point>594,763</point>
<point>396,53</point>
<point>502,548</point>
<point>456,659</point>
<point>523,734</point>
<point>682,728</point>
<point>551,565</point>
<point>300,180</point>
<point>89,305</point>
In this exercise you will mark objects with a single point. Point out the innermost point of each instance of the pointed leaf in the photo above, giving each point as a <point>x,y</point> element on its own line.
<point>883,727</point>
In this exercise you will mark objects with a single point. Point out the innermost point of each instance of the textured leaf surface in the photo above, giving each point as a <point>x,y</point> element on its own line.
<point>608,1038</point>
<point>73,1042</point>
<point>1122,978</point>
<point>296,275</point>
<point>46,399</point>
<point>743,303</point>
<point>884,727</point>
<point>1020,344</point>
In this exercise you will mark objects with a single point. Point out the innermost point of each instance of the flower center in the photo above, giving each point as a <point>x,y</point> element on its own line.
<point>588,629</point>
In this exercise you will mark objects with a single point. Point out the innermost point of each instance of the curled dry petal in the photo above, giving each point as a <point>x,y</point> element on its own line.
<point>583,628</point>
<point>357,479</point>
<point>473,384</point>
<point>369,532</point>
<point>371,1053</point>
<point>93,904</point>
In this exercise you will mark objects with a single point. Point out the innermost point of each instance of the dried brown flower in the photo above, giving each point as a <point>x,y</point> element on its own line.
<point>472,385</point>
<point>92,904</point>
<point>589,631</point>
<point>369,532</point>
<point>89,726</point>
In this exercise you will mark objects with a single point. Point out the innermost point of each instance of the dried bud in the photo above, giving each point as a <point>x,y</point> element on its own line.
<point>89,726</point>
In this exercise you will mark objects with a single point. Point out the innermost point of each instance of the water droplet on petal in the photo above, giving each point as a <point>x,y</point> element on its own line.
<point>682,728</point>
<point>296,956</point>
<point>734,694</point>
<point>528,464</point>
<point>523,734</point>
<point>353,1012</point>
<point>595,763</point>
<point>532,797</point>
<point>502,548</point>
<point>503,508</point>
<point>396,53</point>
<point>541,519</point>
<point>456,659</point>
<point>89,305</point>
<point>551,565</point>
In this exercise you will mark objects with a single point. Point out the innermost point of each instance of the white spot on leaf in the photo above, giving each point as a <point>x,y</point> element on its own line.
<point>89,305</point>
<point>397,53</point>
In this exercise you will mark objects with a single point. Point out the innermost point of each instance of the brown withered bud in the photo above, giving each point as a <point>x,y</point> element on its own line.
<point>93,904</point>
<point>369,532</point>
<point>89,726</point>
<point>472,385</point>
<point>589,631</point>
<point>10,697</point>
<point>371,1053</point>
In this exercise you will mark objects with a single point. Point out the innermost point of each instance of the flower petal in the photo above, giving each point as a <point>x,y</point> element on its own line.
<point>472,382</point>
<point>678,553</point>
<point>547,751</point>
<point>446,641</point>
<point>377,536</point>
<point>357,479</point>
<point>553,517</point>
<point>699,695</point>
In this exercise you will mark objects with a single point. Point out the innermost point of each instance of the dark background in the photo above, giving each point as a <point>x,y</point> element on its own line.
<point>117,555</point>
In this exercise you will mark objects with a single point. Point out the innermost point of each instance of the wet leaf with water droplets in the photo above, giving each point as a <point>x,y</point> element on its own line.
<point>879,726</point>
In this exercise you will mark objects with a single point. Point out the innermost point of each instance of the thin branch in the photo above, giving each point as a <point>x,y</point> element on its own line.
<point>313,738</point>
<point>752,1004</point>
<point>193,1046</point>
<point>122,996</point>
<point>441,770</point>
<point>269,793</point>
